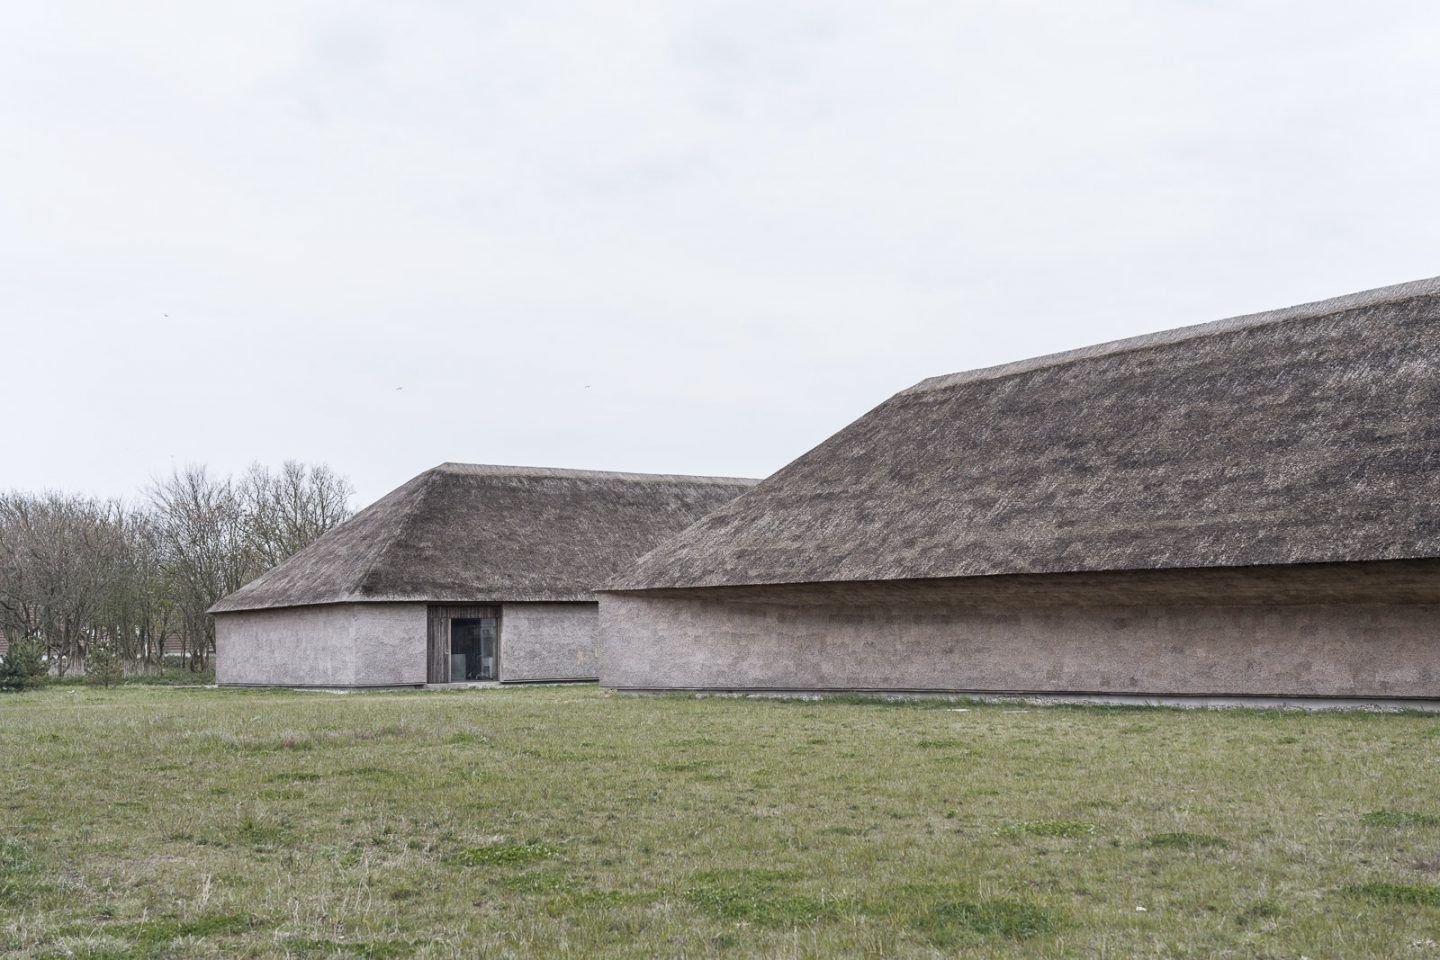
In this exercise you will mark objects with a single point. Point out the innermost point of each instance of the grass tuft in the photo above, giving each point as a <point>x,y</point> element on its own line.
<point>148,935</point>
<point>543,882</point>
<point>687,766</point>
<point>20,879</point>
<point>951,923</point>
<point>766,898</point>
<point>1259,912</point>
<point>1383,891</point>
<point>503,854</point>
<point>260,834</point>
<point>1182,841</point>
<point>364,949</point>
<point>1401,818</point>
<point>1048,828</point>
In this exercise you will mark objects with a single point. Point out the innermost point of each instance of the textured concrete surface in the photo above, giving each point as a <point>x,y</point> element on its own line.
<point>335,645</point>
<point>548,641</point>
<point>1312,704</point>
<point>1389,650</point>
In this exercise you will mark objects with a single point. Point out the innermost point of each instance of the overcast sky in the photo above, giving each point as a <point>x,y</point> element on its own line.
<point>679,237</point>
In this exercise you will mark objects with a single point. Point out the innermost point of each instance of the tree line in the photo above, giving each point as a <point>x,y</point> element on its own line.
<point>81,573</point>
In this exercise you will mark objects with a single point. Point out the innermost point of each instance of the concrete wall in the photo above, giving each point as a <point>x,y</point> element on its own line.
<point>549,641</point>
<point>1383,650</point>
<point>335,645</point>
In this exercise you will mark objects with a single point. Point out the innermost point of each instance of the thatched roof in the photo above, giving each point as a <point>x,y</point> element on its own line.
<point>1305,435</point>
<point>472,533</point>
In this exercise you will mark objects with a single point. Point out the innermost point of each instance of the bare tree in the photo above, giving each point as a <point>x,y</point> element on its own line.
<point>20,616</point>
<point>139,608</point>
<point>77,572</point>
<point>204,547</point>
<point>58,554</point>
<point>287,509</point>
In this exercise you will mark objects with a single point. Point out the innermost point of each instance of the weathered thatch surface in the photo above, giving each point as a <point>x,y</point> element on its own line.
<point>1306,435</point>
<point>1293,584</point>
<point>471,533</point>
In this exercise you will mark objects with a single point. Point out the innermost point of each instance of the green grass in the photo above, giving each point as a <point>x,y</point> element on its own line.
<point>1049,828</point>
<point>1401,818</point>
<point>955,920</point>
<point>1408,893</point>
<point>167,677</point>
<point>1183,840</point>
<point>502,853</point>
<point>142,822</point>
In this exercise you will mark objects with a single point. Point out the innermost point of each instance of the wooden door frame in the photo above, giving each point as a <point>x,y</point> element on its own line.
<point>437,645</point>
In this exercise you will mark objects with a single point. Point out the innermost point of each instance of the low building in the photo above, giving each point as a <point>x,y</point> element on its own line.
<point>1248,508</point>
<point>466,573</point>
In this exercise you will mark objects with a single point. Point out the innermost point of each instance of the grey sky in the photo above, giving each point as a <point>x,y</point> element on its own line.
<point>690,237</point>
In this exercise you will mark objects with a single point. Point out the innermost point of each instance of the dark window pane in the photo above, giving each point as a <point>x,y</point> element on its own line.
<point>472,649</point>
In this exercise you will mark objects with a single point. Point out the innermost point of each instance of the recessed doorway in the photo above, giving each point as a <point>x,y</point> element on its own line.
<point>463,644</point>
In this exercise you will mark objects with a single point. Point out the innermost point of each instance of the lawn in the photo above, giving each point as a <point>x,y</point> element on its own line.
<point>566,821</point>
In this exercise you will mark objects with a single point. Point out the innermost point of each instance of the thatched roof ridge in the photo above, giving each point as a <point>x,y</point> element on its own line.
<point>469,533</point>
<point>503,470</point>
<point>1304,435</point>
<point>1164,338</point>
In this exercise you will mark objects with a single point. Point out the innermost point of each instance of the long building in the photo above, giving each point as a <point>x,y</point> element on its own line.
<point>1244,508</point>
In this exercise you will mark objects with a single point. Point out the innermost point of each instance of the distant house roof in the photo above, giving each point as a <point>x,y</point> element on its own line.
<point>1305,435</point>
<point>470,532</point>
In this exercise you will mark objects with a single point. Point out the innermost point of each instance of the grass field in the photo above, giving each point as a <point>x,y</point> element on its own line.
<point>565,821</point>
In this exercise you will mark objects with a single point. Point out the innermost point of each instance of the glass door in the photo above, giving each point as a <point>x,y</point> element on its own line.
<point>473,645</point>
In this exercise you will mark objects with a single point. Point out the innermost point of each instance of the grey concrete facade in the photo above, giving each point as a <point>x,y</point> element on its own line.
<point>330,645</point>
<point>384,644</point>
<point>549,641</point>
<point>1389,650</point>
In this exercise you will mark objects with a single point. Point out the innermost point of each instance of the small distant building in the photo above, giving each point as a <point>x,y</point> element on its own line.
<point>1248,508</point>
<point>466,573</point>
